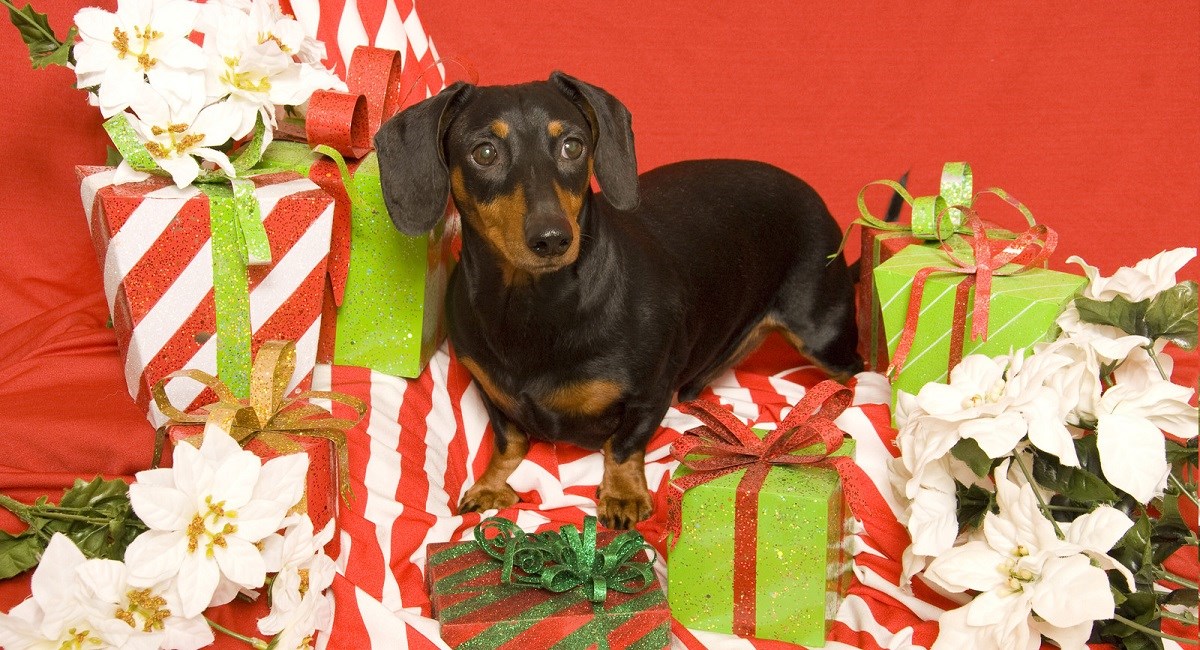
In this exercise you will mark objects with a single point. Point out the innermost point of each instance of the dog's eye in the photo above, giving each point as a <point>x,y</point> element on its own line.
<point>484,155</point>
<point>572,148</point>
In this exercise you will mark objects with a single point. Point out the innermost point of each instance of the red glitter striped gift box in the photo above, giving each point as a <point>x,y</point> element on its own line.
<point>478,610</point>
<point>155,246</point>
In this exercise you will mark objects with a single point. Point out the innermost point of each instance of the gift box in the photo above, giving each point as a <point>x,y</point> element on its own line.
<point>182,295</point>
<point>1021,310</point>
<point>803,568</point>
<point>385,297</point>
<point>477,608</point>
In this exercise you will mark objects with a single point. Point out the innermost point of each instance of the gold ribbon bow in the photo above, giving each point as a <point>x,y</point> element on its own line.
<point>269,415</point>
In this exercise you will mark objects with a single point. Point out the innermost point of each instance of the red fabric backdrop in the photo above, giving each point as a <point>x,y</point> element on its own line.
<point>1084,111</point>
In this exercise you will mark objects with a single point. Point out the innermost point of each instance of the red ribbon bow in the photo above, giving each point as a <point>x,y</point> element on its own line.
<point>1031,248</point>
<point>728,445</point>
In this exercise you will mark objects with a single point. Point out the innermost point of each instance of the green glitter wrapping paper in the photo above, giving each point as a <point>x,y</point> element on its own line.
<point>391,315</point>
<point>477,611</point>
<point>1022,312</point>
<point>803,563</point>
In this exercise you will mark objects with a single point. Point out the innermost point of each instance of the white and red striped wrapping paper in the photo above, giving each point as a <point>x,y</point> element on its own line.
<point>425,441</point>
<point>155,248</point>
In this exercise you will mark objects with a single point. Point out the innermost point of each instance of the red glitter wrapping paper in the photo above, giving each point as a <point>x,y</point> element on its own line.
<point>478,611</point>
<point>154,244</point>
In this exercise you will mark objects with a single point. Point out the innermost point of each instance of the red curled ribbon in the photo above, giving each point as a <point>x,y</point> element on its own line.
<point>1030,248</point>
<point>347,122</point>
<point>725,445</point>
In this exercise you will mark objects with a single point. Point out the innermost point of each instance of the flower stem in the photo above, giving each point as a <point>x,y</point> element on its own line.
<point>1151,631</point>
<point>1179,484</point>
<point>1187,618</point>
<point>1153,357</point>
<point>1041,502</point>
<point>1164,574</point>
<point>257,644</point>
<point>16,507</point>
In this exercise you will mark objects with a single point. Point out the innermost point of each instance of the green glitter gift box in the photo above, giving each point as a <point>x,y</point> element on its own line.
<point>790,586</point>
<point>478,609</point>
<point>1022,309</point>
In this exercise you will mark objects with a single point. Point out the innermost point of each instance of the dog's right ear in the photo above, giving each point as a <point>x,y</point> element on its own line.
<point>412,163</point>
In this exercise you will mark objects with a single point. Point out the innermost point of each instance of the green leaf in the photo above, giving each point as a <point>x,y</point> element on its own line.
<point>44,47</point>
<point>1172,315</point>
<point>1077,484</point>
<point>94,493</point>
<point>1185,597</point>
<point>19,553</point>
<point>1118,312</point>
<point>973,505</point>
<point>1182,455</point>
<point>969,452</point>
<point>1142,608</point>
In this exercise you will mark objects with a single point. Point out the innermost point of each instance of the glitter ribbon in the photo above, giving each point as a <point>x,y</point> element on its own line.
<point>239,238</point>
<point>568,559</point>
<point>268,414</point>
<point>1030,248</point>
<point>725,445</point>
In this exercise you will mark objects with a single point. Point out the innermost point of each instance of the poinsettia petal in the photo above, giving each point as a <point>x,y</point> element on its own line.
<point>239,472</point>
<point>198,577</point>
<point>1074,637</point>
<point>1071,591</point>
<point>998,436</point>
<point>161,508</point>
<point>106,579</point>
<point>1100,529</point>
<point>259,518</point>
<point>933,521</point>
<point>970,566</point>
<point>155,556</point>
<point>162,476</point>
<point>220,159</point>
<point>282,479</point>
<point>54,578</point>
<point>218,444</point>
<point>241,563</point>
<point>1132,455</point>
<point>1046,429</point>
<point>187,633</point>
<point>183,169</point>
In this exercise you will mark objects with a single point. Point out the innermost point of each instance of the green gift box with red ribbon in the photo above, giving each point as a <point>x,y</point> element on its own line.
<point>940,304</point>
<point>759,521</point>
<point>569,589</point>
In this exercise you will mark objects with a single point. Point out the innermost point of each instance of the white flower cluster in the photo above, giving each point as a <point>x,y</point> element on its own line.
<point>185,100</point>
<point>218,525</point>
<point>1009,406</point>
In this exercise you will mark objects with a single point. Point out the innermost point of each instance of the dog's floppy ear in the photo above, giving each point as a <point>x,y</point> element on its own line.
<point>616,165</point>
<point>412,165</point>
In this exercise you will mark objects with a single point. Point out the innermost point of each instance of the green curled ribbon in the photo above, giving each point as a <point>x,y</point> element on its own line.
<point>238,239</point>
<point>568,559</point>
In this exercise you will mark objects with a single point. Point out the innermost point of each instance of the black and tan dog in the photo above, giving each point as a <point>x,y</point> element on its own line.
<point>581,315</point>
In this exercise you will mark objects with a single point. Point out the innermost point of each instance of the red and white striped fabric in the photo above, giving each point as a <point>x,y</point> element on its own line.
<point>155,247</point>
<point>426,440</point>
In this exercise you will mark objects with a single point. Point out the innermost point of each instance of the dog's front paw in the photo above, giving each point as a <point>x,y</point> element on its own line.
<point>623,509</point>
<point>480,497</point>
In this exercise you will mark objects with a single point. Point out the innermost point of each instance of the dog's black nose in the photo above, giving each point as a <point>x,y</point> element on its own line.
<point>548,237</point>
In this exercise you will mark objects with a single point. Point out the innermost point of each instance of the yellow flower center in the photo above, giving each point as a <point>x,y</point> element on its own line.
<point>80,639</point>
<point>263,38</point>
<point>1016,576</point>
<point>146,606</point>
<point>179,140</point>
<point>198,528</point>
<point>303,573</point>
<point>243,80</point>
<point>144,35</point>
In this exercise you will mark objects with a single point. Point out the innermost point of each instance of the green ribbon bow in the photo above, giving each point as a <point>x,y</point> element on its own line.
<point>238,240</point>
<point>568,559</point>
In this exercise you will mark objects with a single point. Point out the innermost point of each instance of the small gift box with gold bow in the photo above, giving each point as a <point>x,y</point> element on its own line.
<point>270,424</point>
<point>759,521</point>
<point>981,296</point>
<point>568,589</point>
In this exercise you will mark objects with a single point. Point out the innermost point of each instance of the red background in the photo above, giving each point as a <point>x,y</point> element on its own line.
<point>1085,111</point>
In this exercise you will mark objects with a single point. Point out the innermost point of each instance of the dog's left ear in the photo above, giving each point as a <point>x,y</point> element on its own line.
<point>616,164</point>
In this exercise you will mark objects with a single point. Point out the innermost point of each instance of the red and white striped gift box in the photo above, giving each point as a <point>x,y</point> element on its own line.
<point>154,244</point>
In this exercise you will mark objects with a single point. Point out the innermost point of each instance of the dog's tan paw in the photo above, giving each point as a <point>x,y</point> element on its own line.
<point>480,497</point>
<point>622,510</point>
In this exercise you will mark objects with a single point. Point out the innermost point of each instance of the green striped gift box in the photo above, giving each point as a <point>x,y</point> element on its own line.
<point>478,611</point>
<point>1022,312</point>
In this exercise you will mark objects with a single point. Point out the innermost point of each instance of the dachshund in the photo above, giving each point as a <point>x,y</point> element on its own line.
<point>582,315</point>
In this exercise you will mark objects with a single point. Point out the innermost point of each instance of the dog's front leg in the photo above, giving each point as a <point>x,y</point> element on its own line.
<point>623,496</point>
<point>491,489</point>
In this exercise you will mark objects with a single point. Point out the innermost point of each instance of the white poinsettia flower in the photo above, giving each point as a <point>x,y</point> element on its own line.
<point>1130,422</point>
<point>253,61</point>
<point>1145,279</point>
<point>150,614</point>
<point>1077,383</point>
<point>63,612</point>
<point>1031,584</point>
<point>296,628</point>
<point>144,41</point>
<point>176,133</point>
<point>206,515</point>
